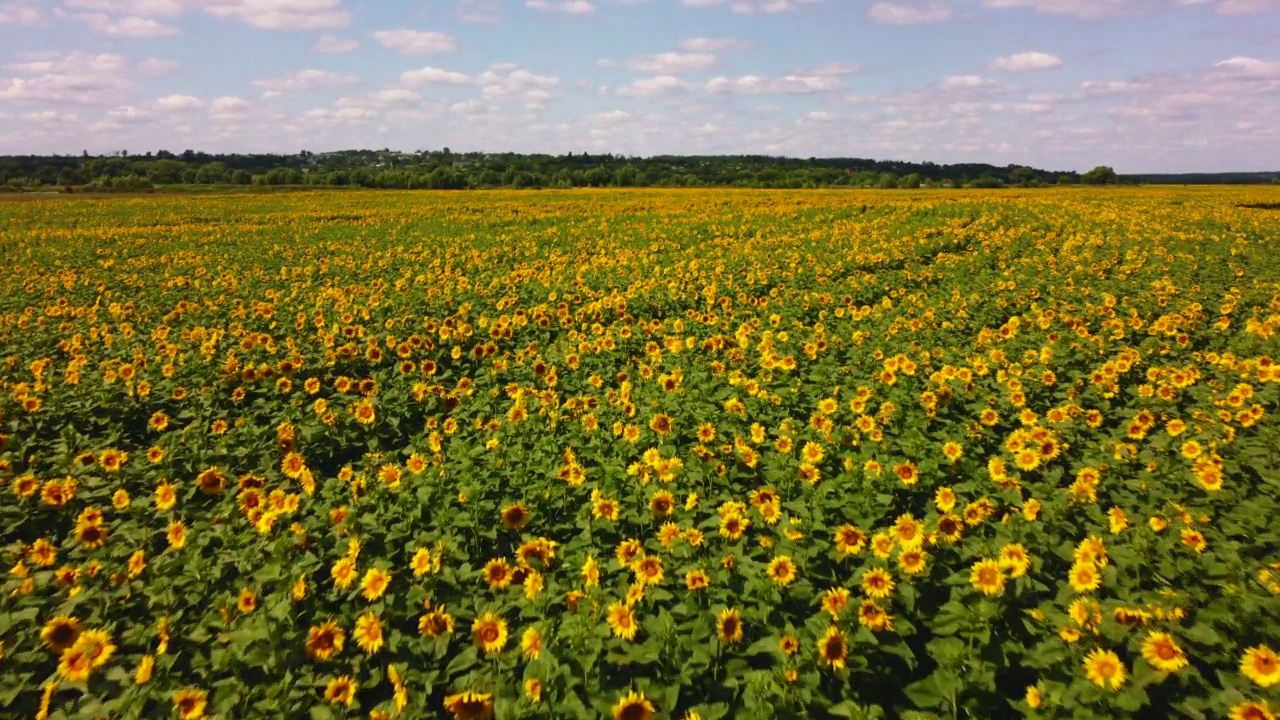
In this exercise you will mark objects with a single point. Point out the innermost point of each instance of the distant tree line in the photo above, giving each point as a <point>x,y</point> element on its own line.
<point>446,170</point>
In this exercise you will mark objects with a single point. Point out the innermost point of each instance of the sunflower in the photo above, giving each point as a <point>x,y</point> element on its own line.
<point>729,626</point>
<point>648,570</point>
<point>421,562</point>
<point>628,552</point>
<point>833,650</point>
<point>190,703</point>
<point>782,570</point>
<point>515,516</point>
<point>1162,653</point>
<point>1015,559</point>
<point>877,583</point>
<point>375,583</point>
<point>489,632</point>
<point>247,601</point>
<point>907,473</point>
<point>834,601</point>
<point>907,531</point>
<point>167,495</point>
<point>60,633</point>
<point>1261,665</point>
<point>469,706</point>
<point>498,574</point>
<point>1084,577</point>
<point>176,535</point>
<point>604,509</point>
<point>633,706</point>
<point>849,540</point>
<point>882,545</point>
<point>874,617</point>
<point>1251,710</point>
<point>91,536</point>
<point>325,640</point>
<point>661,424</point>
<point>912,561</point>
<point>1104,669</point>
<point>340,691</point>
<point>531,643</point>
<point>590,571</point>
<point>950,528</point>
<point>733,526</point>
<point>435,622</point>
<point>343,573</point>
<point>622,620</point>
<point>944,499</point>
<point>696,580</point>
<point>368,633</point>
<point>662,504</point>
<point>75,664</point>
<point>987,577</point>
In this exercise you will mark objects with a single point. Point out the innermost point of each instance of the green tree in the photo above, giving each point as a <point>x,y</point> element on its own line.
<point>1101,175</point>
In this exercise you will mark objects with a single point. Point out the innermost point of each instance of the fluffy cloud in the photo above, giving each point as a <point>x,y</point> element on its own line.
<point>671,63</point>
<point>75,78</point>
<point>334,45</point>
<point>659,85</point>
<point>19,13</point>
<point>416,42</point>
<point>713,45</point>
<point>1023,62</point>
<point>179,103</point>
<point>752,7</point>
<point>786,85</point>
<point>155,67</point>
<point>229,108</point>
<point>305,80</point>
<point>279,14</point>
<point>433,76</point>
<point>127,26</point>
<point>909,12</point>
<point>570,7</point>
<point>1084,9</point>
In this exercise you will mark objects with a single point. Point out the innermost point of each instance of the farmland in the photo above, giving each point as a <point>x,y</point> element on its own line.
<point>633,454</point>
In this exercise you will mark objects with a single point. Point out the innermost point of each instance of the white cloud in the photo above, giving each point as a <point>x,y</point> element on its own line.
<point>713,45</point>
<point>1024,62</point>
<point>179,103</point>
<point>433,76</point>
<point>817,116</point>
<point>1238,7</point>
<point>966,82</point>
<point>128,26</point>
<point>415,42</point>
<point>570,7</point>
<point>515,83</point>
<point>229,108</point>
<point>478,11</point>
<point>611,117</point>
<point>752,7</point>
<point>279,14</point>
<point>671,63</point>
<point>334,45</point>
<point>305,80</point>
<point>832,69</point>
<point>1110,87</point>
<point>19,13</point>
<point>1250,67</point>
<point>347,115</point>
<point>74,78</point>
<point>148,8</point>
<point>396,97</point>
<point>1083,9</point>
<point>909,12</point>
<point>786,85</point>
<point>155,67</point>
<point>659,85</point>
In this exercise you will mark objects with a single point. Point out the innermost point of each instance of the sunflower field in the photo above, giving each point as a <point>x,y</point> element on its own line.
<point>641,454</point>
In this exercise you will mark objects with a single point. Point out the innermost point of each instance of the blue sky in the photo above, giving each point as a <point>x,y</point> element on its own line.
<point>1144,85</point>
